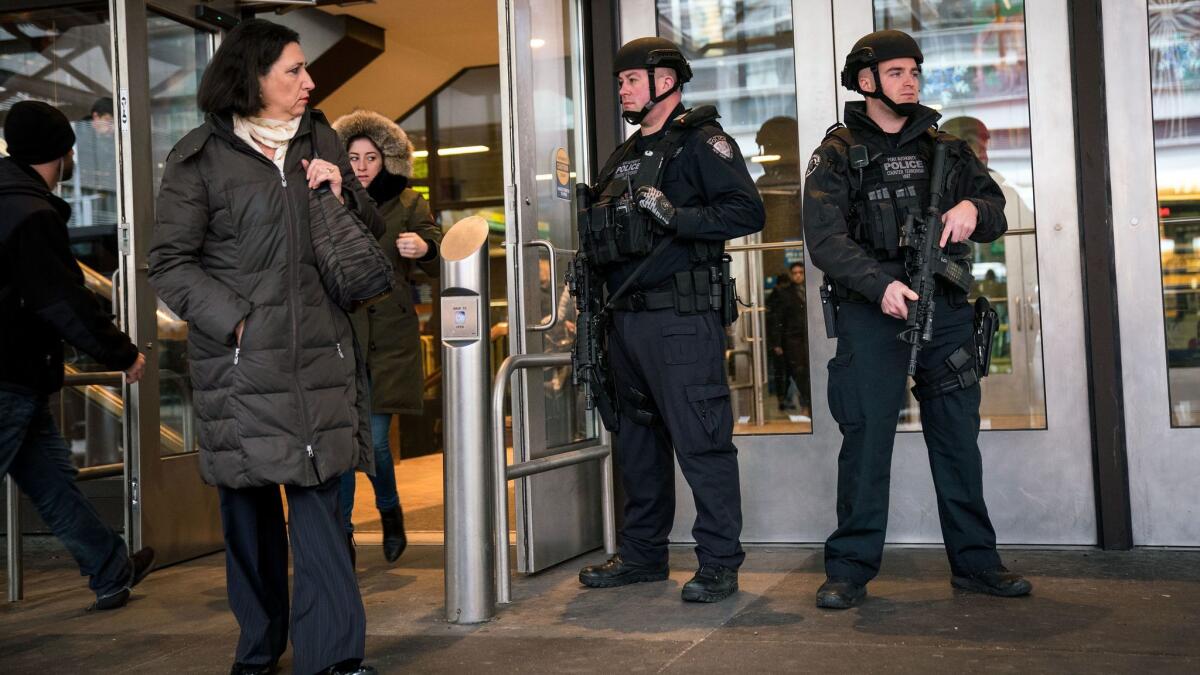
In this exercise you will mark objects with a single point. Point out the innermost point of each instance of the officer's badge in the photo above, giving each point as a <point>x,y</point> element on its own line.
<point>812,165</point>
<point>721,145</point>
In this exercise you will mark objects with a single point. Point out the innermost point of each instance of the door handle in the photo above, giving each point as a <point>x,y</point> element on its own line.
<point>553,319</point>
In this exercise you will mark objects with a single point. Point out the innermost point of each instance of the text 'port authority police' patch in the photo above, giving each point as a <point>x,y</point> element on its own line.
<point>904,168</point>
<point>722,147</point>
<point>627,169</point>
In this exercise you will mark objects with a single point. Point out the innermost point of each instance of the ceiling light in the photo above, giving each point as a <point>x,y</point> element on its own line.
<point>763,159</point>
<point>537,43</point>
<point>462,150</point>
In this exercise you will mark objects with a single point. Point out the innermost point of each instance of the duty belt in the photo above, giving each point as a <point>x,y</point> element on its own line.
<point>641,301</point>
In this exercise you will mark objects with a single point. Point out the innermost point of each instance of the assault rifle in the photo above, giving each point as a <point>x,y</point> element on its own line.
<point>924,259</point>
<point>589,359</point>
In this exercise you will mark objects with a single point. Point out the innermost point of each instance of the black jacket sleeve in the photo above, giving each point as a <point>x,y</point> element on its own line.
<point>826,232</point>
<point>973,182</point>
<point>733,207</point>
<point>51,286</point>
<point>175,268</point>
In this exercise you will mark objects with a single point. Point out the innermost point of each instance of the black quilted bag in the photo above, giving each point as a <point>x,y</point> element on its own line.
<point>353,268</point>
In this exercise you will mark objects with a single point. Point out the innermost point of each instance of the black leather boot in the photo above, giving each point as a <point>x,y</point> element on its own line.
<point>617,572</point>
<point>394,538</point>
<point>351,667</point>
<point>711,583</point>
<point>840,593</point>
<point>998,581</point>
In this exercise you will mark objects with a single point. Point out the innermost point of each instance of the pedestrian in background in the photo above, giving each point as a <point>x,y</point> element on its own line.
<point>43,301</point>
<point>389,332</point>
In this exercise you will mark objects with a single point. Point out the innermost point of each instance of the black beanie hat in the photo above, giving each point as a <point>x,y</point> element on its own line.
<point>37,133</point>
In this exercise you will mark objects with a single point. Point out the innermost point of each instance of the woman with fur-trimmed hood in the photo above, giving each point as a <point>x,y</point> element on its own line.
<point>389,331</point>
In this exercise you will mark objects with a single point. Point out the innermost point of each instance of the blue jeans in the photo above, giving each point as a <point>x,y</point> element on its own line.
<point>34,453</point>
<point>384,480</point>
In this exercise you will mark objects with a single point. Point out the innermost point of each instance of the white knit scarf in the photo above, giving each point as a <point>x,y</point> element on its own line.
<point>260,132</point>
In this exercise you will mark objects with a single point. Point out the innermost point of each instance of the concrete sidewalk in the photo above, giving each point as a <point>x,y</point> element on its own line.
<point>1091,611</point>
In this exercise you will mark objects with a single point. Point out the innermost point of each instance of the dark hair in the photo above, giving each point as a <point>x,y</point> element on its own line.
<point>103,106</point>
<point>795,265</point>
<point>230,83</point>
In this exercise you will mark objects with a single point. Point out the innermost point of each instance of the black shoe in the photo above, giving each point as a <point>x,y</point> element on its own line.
<point>394,538</point>
<point>350,667</point>
<point>997,581</point>
<point>248,669</point>
<point>353,553</point>
<point>617,572</point>
<point>711,583</point>
<point>840,593</point>
<point>141,563</point>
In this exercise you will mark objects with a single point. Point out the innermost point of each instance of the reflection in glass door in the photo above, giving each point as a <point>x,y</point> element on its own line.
<point>743,60</point>
<point>558,514</point>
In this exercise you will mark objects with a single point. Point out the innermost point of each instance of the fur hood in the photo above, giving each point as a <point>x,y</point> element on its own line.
<point>384,133</point>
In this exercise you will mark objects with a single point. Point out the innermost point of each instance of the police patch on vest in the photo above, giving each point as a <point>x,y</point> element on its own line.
<point>722,147</point>
<point>627,169</point>
<point>813,163</point>
<point>904,168</point>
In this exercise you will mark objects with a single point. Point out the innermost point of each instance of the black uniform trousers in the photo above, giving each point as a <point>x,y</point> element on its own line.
<point>328,623</point>
<point>673,367</point>
<point>867,382</point>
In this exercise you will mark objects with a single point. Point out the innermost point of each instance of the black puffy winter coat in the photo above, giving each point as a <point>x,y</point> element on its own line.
<point>232,242</point>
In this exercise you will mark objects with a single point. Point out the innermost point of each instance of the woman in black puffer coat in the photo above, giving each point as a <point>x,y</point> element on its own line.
<point>277,391</point>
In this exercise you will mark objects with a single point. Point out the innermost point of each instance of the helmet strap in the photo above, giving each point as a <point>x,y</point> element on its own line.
<point>901,109</point>
<point>636,116</point>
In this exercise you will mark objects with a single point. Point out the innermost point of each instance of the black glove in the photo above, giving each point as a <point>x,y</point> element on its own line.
<point>651,200</point>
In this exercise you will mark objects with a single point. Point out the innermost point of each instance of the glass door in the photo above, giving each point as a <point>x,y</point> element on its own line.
<point>1152,53</point>
<point>158,62</point>
<point>997,72</point>
<point>542,72</point>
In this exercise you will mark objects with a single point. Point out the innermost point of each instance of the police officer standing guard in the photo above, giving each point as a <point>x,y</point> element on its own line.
<point>866,185</point>
<point>654,229</point>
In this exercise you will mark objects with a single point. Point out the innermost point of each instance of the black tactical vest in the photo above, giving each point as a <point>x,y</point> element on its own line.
<point>611,228</point>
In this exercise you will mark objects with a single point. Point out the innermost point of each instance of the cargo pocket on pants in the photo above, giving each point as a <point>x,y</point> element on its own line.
<point>843,392</point>
<point>710,403</point>
<point>682,344</point>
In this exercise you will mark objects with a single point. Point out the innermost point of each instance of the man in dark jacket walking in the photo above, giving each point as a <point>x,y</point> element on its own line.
<point>42,302</point>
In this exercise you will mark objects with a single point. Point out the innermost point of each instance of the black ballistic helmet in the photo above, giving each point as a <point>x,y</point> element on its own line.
<point>649,53</point>
<point>873,49</point>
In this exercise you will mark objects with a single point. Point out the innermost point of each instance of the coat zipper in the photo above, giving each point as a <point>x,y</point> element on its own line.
<point>293,248</point>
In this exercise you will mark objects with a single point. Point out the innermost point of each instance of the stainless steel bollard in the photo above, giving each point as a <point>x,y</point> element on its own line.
<point>466,385</point>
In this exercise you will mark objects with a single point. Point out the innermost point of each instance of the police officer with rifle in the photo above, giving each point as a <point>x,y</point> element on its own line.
<point>654,295</point>
<point>889,206</point>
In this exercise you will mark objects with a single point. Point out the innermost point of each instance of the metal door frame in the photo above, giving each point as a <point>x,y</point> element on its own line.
<point>1162,460</point>
<point>167,504</point>
<point>545,536</point>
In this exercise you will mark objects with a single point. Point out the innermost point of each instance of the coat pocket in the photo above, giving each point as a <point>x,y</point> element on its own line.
<point>682,344</point>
